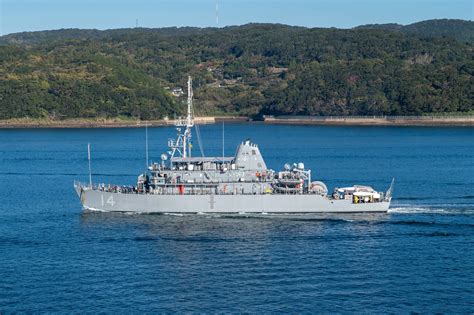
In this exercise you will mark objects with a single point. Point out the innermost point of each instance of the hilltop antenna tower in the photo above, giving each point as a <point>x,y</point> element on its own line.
<point>217,12</point>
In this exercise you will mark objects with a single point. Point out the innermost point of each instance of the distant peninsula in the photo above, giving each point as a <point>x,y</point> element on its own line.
<point>254,70</point>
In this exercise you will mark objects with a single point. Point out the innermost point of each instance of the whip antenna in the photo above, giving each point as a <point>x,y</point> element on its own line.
<point>223,153</point>
<point>146,143</point>
<point>198,133</point>
<point>89,158</point>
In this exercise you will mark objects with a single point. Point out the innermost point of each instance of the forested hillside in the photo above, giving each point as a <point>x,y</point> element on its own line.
<point>459,29</point>
<point>248,70</point>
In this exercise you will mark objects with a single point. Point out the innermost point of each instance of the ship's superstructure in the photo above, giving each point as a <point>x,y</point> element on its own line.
<point>182,182</point>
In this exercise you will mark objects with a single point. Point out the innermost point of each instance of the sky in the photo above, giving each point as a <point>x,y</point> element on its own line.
<point>34,15</point>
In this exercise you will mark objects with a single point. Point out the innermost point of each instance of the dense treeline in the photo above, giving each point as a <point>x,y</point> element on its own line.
<point>249,70</point>
<point>458,29</point>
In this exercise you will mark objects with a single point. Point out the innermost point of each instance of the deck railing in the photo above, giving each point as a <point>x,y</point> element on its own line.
<point>174,189</point>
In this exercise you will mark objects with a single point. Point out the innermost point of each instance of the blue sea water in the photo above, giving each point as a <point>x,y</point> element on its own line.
<point>419,257</point>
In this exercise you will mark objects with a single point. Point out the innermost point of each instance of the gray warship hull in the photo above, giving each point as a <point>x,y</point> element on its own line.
<point>183,183</point>
<point>97,200</point>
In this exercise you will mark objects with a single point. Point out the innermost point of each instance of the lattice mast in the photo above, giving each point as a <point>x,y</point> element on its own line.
<point>187,145</point>
<point>183,144</point>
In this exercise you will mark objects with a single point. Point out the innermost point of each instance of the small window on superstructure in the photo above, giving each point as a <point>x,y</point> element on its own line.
<point>253,152</point>
<point>259,165</point>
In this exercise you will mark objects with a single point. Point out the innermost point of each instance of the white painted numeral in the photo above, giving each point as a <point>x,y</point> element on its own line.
<point>111,201</point>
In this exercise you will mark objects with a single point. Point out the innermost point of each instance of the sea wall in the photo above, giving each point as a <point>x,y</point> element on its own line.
<point>373,120</point>
<point>289,120</point>
<point>107,123</point>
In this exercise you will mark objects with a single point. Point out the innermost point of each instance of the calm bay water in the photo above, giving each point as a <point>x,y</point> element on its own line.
<point>56,258</point>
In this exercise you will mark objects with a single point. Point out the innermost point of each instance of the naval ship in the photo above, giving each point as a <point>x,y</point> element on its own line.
<point>182,183</point>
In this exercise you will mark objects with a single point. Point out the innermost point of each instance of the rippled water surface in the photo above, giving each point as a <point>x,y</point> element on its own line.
<point>419,257</point>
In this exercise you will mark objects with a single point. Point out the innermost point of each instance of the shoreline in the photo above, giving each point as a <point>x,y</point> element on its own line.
<point>450,121</point>
<point>428,121</point>
<point>107,123</point>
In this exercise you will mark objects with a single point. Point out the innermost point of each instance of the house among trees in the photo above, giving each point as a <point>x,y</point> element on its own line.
<point>177,91</point>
